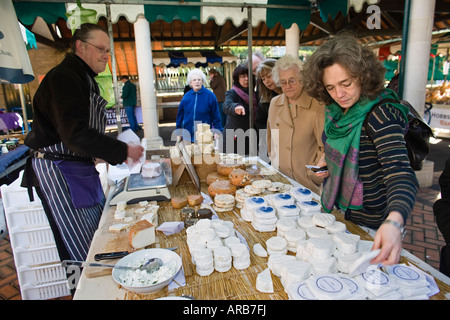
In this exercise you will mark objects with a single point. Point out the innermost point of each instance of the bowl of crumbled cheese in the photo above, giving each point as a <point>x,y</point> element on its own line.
<point>142,281</point>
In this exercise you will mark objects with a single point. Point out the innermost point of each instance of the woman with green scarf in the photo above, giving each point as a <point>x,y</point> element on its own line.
<point>369,176</point>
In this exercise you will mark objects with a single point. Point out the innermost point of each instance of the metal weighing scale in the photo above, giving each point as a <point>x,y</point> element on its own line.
<point>135,188</point>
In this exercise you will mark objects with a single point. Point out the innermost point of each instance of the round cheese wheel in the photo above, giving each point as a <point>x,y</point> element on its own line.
<point>220,187</point>
<point>225,168</point>
<point>194,199</point>
<point>178,202</point>
<point>240,177</point>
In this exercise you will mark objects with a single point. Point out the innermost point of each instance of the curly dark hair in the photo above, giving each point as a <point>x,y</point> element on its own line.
<point>359,61</point>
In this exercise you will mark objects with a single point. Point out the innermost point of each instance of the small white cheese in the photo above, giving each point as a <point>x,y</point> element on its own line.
<point>264,282</point>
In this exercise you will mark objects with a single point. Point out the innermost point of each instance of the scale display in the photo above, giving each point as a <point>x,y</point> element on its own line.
<point>135,188</point>
<point>137,182</point>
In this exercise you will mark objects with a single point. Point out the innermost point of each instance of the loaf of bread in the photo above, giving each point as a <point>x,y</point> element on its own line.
<point>225,168</point>
<point>194,199</point>
<point>220,187</point>
<point>178,203</point>
<point>141,234</point>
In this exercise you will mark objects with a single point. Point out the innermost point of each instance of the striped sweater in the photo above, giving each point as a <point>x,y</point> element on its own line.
<point>389,183</point>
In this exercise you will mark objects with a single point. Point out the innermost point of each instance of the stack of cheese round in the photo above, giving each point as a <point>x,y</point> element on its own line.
<point>345,261</point>
<point>261,185</point>
<point>300,290</point>
<point>346,243</point>
<point>294,271</point>
<point>203,259</point>
<point>241,256</point>
<point>301,252</point>
<point>412,284</point>
<point>211,235</point>
<point>251,203</point>
<point>214,243</point>
<point>323,219</point>
<point>317,232</point>
<point>301,194</point>
<point>280,199</point>
<point>264,219</point>
<point>223,228</point>
<point>240,197</point>
<point>223,202</point>
<point>323,266</point>
<point>305,222</point>
<point>231,240</point>
<point>285,224</point>
<point>276,261</point>
<point>320,248</point>
<point>328,287</point>
<point>309,208</point>
<point>222,258</point>
<point>379,285</point>
<point>288,211</point>
<point>337,226</point>
<point>276,245</point>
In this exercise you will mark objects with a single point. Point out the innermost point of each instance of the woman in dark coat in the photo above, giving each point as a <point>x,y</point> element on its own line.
<point>236,107</point>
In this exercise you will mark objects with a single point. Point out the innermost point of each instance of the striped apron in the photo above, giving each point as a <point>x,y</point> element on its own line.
<point>75,225</point>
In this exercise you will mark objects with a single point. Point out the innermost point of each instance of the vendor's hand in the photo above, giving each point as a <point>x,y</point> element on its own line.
<point>135,151</point>
<point>240,110</point>
<point>389,239</point>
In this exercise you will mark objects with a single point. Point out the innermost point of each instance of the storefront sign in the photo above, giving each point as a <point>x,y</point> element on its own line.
<point>440,116</point>
<point>111,116</point>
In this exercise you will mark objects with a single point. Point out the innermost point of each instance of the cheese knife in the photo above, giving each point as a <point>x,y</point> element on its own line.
<point>118,254</point>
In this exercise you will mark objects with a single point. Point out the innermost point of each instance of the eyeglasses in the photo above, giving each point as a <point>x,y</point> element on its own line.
<point>291,82</point>
<point>102,50</point>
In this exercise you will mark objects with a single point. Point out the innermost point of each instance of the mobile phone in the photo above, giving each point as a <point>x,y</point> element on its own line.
<point>317,169</point>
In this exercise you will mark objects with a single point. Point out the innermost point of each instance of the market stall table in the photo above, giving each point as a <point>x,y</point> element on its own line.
<point>231,285</point>
<point>13,160</point>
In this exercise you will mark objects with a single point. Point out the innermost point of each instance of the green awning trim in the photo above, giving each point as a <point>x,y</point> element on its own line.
<point>50,12</point>
<point>31,40</point>
<point>286,17</point>
<point>332,7</point>
<point>170,13</point>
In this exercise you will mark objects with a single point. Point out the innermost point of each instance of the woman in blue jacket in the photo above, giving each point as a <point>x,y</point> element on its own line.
<point>199,105</point>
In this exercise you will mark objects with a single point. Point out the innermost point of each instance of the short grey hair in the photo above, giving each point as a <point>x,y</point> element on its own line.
<point>284,63</point>
<point>197,72</point>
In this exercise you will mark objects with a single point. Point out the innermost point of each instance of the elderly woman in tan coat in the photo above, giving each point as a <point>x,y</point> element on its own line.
<point>295,126</point>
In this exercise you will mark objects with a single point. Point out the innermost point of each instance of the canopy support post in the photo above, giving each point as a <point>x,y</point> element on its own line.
<point>113,67</point>
<point>251,131</point>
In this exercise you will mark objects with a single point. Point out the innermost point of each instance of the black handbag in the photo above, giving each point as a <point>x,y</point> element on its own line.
<point>417,137</point>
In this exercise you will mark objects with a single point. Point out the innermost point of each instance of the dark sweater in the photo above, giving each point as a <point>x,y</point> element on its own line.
<point>389,183</point>
<point>61,109</point>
